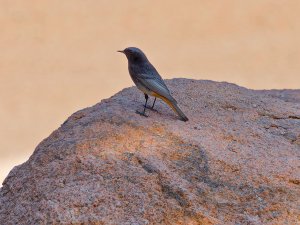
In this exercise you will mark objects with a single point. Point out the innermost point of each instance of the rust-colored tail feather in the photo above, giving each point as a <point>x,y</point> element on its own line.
<point>175,107</point>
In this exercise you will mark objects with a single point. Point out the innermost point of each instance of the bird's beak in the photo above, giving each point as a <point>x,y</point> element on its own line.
<point>121,51</point>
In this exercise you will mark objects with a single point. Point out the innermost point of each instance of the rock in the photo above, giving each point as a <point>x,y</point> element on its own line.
<point>231,163</point>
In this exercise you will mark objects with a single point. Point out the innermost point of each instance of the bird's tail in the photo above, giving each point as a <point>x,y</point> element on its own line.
<point>179,112</point>
<point>176,109</point>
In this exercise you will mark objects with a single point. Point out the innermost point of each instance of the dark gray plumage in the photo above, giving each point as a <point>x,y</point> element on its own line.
<point>148,80</point>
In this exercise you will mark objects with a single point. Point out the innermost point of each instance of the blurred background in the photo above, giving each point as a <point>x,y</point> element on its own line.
<point>57,57</point>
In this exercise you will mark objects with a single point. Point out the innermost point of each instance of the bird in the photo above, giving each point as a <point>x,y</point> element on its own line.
<point>149,81</point>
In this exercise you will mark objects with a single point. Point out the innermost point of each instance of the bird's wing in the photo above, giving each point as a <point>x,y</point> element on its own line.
<point>156,85</point>
<point>154,75</point>
<point>161,82</point>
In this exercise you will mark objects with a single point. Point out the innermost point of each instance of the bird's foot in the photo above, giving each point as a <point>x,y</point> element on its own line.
<point>151,108</point>
<point>141,113</point>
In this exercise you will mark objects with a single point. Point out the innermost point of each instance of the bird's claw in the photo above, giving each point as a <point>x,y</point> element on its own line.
<point>151,108</point>
<point>141,113</point>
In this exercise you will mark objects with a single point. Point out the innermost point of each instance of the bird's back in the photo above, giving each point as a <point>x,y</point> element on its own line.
<point>146,71</point>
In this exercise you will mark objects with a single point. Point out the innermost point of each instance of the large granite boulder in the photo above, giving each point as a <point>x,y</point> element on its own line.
<point>236,161</point>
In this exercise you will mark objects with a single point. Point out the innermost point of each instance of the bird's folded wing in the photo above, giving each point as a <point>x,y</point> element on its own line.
<point>156,86</point>
<point>155,77</point>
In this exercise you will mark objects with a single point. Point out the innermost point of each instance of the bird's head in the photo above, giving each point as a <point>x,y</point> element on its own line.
<point>134,55</point>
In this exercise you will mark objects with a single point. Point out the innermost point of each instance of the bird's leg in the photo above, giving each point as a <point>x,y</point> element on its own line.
<point>146,97</point>
<point>153,103</point>
<point>152,107</point>
<point>145,106</point>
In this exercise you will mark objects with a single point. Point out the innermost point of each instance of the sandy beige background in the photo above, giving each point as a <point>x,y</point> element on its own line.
<point>59,56</point>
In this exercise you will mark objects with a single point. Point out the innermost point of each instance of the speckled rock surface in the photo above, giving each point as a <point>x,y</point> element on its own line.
<point>236,161</point>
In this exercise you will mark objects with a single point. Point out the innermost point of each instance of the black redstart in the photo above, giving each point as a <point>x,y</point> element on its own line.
<point>148,80</point>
